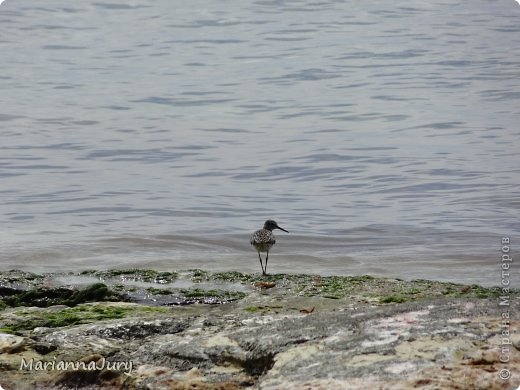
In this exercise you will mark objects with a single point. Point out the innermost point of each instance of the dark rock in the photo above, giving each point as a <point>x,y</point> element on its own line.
<point>8,291</point>
<point>138,329</point>
<point>44,348</point>
<point>46,296</point>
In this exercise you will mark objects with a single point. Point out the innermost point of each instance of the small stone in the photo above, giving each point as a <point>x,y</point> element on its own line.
<point>10,343</point>
<point>265,285</point>
<point>193,373</point>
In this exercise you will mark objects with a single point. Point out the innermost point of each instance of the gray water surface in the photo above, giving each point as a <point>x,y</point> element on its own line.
<point>383,135</point>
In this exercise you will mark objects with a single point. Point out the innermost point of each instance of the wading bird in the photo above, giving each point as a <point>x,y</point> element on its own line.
<point>263,240</point>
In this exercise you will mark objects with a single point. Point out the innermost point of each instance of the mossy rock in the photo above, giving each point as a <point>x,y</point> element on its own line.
<point>93,293</point>
<point>198,275</point>
<point>70,316</point>
<point>159,291</point>
<point>393,299</point>
<point>15,275</point>
<point>216,294</point>
<point>40,297</point>
<point>81,314</point>
<point>45,297</point>
<point>233,276</point>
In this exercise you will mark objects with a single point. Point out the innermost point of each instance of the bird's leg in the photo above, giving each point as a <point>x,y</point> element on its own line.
<point>266,258</point>
<point>261,264</point>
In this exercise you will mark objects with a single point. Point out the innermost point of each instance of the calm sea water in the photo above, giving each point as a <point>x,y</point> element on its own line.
<point>384,135</point>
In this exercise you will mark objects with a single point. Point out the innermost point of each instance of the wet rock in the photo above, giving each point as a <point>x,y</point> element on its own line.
<point>49,296</point>
<point>135,274</point>
<point>9,291</point>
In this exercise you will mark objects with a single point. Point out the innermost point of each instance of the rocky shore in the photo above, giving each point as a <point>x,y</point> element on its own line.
<point>143,329</point>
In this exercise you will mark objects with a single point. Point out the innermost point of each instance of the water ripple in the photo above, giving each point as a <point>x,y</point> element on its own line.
<point>371,130</point>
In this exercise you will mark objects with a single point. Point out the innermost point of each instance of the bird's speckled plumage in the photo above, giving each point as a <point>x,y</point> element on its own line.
<point>263,240</point>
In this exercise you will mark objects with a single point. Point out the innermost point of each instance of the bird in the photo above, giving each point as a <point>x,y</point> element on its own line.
<point>263,240</point>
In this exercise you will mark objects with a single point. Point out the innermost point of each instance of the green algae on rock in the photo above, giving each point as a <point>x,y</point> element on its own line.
<point>159,291</point>
<point>20,319</point>
<point>47,296</point>
<point>384,290</point>
<point>393,299</point>
<point>218,294</point>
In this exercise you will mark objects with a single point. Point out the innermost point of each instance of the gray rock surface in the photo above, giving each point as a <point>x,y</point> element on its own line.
<point>273,338</point>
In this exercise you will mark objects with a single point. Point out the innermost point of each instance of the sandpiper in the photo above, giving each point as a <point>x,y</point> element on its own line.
<point>263,240</point>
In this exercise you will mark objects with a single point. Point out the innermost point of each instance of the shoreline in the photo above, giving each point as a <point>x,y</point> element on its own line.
<point>394,251</point>
<point>235,330</point>
<point>466,270</point>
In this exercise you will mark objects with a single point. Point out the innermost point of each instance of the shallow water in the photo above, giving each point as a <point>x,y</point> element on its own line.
<point>383,135</point>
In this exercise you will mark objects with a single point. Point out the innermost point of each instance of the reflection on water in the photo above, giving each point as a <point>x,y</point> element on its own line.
<point>384,135</point>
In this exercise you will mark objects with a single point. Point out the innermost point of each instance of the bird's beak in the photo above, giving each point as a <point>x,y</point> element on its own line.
<point>282,229</point>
